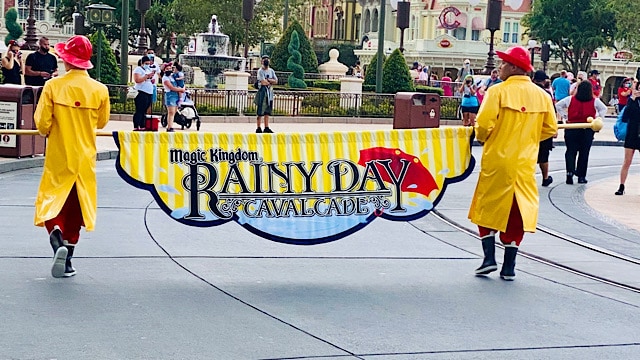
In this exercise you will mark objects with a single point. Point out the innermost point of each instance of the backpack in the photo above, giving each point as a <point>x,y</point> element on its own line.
<point>620,127</point>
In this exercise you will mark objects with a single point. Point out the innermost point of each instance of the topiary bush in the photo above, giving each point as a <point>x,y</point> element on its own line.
<point>429,90</point>
<point>395,74</point>
<point>370,74</point>
<point>280,53</point>
<point>14,29</point>
<point>296,79</point>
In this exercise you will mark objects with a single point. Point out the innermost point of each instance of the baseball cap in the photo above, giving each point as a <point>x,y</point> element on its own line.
<point>540,75</point>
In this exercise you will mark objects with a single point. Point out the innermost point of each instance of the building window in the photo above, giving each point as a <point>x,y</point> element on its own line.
<point>475,35</point>
<point>38,9</point>
<point>514,34</point>
<point>374,21</point>
<point>413,31</point>
<point>506,33</point>
<point>357,34</point>
<point>367,21</point>
<point>460,33</point>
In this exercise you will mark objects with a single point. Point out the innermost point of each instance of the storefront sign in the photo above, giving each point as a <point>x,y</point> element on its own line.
<point>8,120</point>
<point>296,188</point>
<point>444,43</point>
<point>448,18</point>
<point>623,55</point>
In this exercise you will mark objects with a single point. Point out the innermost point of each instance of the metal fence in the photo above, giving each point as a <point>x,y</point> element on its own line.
<point>286,103</point>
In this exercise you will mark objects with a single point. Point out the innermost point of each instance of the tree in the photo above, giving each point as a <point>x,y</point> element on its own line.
<point>576,27</point>
<point>370,73</point>
<point>627,23</point>
<point>395,74</point>
<point>109,70</point>
<point>280,53</point>
<point>14,29</point>
<point>296,79</point>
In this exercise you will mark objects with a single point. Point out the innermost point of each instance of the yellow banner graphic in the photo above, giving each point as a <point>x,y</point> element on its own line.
<point>298,188</point>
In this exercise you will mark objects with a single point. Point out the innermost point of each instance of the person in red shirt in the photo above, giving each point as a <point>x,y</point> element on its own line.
<point>594,79</point>
<point>624,91</point>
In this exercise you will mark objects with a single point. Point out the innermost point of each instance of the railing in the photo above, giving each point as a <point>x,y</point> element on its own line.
<point>285,103</point>
<point>284,76</point>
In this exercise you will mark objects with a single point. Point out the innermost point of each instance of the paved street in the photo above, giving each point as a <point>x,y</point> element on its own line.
<point>150,288</point>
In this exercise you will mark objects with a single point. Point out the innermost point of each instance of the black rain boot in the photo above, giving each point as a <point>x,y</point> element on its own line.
<point>489,263</point>
<point>69,270</point>
<point>620,190</point>
<point>569,178</point>
<point>508,271</point>
<point>59,253</point>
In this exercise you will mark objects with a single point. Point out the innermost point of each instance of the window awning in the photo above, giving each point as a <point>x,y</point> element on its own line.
<point>477,23</point>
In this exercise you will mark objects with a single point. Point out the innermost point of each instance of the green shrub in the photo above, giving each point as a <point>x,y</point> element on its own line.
<point>109,69</point>
<point>395,74</point>
<point>328,84</point>
<point>368,88</point>
<point>370,74</point>
<point>429,90</point>
<point>11,23</point>
<point>280,53</point>
<point>296,79</point>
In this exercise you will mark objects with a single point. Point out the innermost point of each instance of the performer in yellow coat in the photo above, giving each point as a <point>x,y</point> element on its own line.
<point>514,117</point>
<point>70,109</point>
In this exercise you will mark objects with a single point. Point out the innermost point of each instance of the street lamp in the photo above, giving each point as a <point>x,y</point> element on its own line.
<point>402,18</point>
<point>31,39</point>
<point>247,15</point>
<point>494,18</point>
<point>532,49</point>
<point>100,15</point>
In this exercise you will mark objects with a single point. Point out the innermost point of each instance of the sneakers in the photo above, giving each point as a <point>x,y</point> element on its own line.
<point>569,179</point>
<point>582,180</point>
<point>546,182</point>
<point>267,130</point>
<point>258,130</point>
<point>170,130</point>
<point>620,190</point>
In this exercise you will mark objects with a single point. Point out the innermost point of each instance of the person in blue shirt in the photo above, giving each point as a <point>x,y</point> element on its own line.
<point>561,86</point>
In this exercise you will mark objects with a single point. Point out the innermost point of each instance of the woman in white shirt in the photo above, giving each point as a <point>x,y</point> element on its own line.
<point>142,76</point>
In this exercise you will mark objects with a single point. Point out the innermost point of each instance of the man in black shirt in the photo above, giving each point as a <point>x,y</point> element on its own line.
<point>40,65</point>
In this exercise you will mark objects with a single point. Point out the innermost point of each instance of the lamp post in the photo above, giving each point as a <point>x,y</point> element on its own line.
<point>402,19</point>
<point>141,42</point>
<point>532,49</point>
<point>247,15</point>
<point>124,44</point>
<point>494,18</point>
<point>30,38</point>
<point>100,15</point>
<point>380,47</point>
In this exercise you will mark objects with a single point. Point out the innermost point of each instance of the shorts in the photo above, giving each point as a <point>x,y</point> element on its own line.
<point>262,111</point>
<point>469,109</point>
<point>171,99</point>
<point>543,152</point>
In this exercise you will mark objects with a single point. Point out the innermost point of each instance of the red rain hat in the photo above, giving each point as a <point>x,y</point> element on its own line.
<point>517,56</point>
<point>76,51</point>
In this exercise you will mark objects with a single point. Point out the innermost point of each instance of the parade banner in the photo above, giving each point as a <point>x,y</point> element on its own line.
<point>297,188</point>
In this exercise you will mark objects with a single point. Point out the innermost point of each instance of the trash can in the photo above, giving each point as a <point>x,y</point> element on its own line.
<point>16,112</point>
<point>39,142</point>
<point>416,110</point>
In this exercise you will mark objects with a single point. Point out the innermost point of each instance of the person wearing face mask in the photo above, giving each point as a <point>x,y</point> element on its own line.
<point>624,91</point>
<point>142,77</point>
<point>264,98</point>
<point>12,64</point>
<point>465,71</point>
<point>40,65</point>
<point>171,94</point>
<point>594,78</point>
<point>151,54</point>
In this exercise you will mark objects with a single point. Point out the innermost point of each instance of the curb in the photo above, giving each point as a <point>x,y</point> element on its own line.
<point>38,161</point>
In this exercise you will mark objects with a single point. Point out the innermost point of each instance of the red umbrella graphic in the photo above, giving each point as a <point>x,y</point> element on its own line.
<point>418,178</point>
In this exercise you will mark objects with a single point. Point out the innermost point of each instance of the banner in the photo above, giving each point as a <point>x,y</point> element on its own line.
<point>297,188</point>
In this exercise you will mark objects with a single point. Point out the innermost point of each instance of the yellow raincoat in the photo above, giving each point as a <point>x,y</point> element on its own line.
<point>70,109</point>
<point>514,117</point>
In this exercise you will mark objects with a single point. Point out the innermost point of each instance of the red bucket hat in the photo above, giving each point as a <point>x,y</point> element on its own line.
<point>76,51</point>
<point>517,56</point>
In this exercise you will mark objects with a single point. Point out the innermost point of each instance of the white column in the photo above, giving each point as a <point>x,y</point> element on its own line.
<point>351,92</point>
<point>236,85</point>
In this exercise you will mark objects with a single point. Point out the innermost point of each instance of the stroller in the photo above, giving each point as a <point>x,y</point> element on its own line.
<point>185,114</point>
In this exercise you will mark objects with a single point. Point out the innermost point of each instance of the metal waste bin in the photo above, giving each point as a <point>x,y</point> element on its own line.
<point>39,142</point>
<point>416,110</point>
<point>16,112</point>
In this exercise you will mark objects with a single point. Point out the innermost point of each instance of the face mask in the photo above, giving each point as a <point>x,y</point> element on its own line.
<point>466,65</point>
<point>150,56</point>
<point>146,67</point>
<point>167,73</point>
<point>265,63</point>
